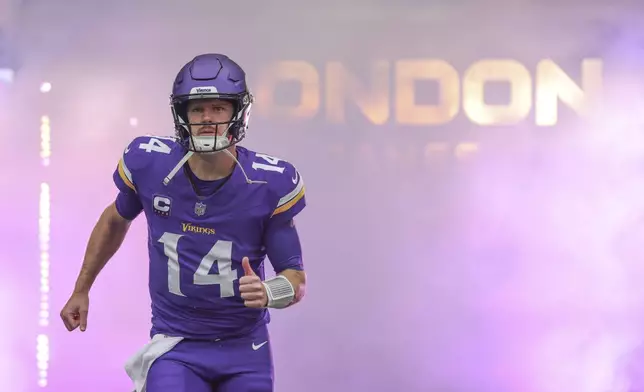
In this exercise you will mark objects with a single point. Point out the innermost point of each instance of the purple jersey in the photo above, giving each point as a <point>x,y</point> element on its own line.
<point>196,244</point>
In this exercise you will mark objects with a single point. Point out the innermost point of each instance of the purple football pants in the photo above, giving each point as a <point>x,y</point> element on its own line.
<point>242,364</point>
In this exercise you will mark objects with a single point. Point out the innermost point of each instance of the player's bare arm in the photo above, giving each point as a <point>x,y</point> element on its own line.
<point>105,240</point>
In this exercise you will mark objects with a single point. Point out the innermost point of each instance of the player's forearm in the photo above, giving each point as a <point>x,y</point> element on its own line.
<point>105,240</point>
<point>298,281</point>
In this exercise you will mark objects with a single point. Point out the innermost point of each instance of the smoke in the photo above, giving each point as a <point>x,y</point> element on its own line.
<point>571,207</point>
<point>14,374</point>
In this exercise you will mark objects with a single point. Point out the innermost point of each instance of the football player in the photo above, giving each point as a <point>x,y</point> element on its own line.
<point>214,210</point>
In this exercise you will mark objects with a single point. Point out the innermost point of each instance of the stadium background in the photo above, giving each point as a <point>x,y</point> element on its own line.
<point>451,256</point>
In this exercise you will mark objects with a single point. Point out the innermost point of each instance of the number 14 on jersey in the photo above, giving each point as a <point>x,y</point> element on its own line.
<point>220,254</point>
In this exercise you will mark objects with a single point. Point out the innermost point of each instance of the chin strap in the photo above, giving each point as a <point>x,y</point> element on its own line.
<point>179,165</point>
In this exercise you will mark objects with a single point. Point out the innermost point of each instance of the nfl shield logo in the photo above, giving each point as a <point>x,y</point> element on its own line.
<point>200,208</point>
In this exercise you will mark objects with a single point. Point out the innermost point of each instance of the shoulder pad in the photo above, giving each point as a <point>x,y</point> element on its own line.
<point>284,181</point>
<point>139,155</point>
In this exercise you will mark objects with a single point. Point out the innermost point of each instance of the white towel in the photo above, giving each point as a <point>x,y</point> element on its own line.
<point>138,366</point>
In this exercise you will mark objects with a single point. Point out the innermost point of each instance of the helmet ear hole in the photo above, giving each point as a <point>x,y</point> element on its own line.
<point>181,126</point>
<point>182,110</point>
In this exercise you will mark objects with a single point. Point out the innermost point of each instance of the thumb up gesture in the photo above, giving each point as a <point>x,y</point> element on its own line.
<point>251,288</point>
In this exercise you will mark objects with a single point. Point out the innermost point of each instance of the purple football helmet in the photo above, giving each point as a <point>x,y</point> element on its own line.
<point>209,76</point>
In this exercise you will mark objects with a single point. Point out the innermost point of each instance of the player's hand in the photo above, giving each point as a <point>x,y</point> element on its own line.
<point>251,288</point>
<point>74,313</point>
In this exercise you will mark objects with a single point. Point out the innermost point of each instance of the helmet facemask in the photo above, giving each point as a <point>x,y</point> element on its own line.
<point>234,130</point>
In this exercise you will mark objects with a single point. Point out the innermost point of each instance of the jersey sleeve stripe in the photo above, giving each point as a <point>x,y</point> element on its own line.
<point>291,202</point>
<point>293,194</point>
<point>125,174</point>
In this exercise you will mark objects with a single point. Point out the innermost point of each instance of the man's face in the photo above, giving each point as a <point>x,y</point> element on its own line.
<point>209,111</point>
